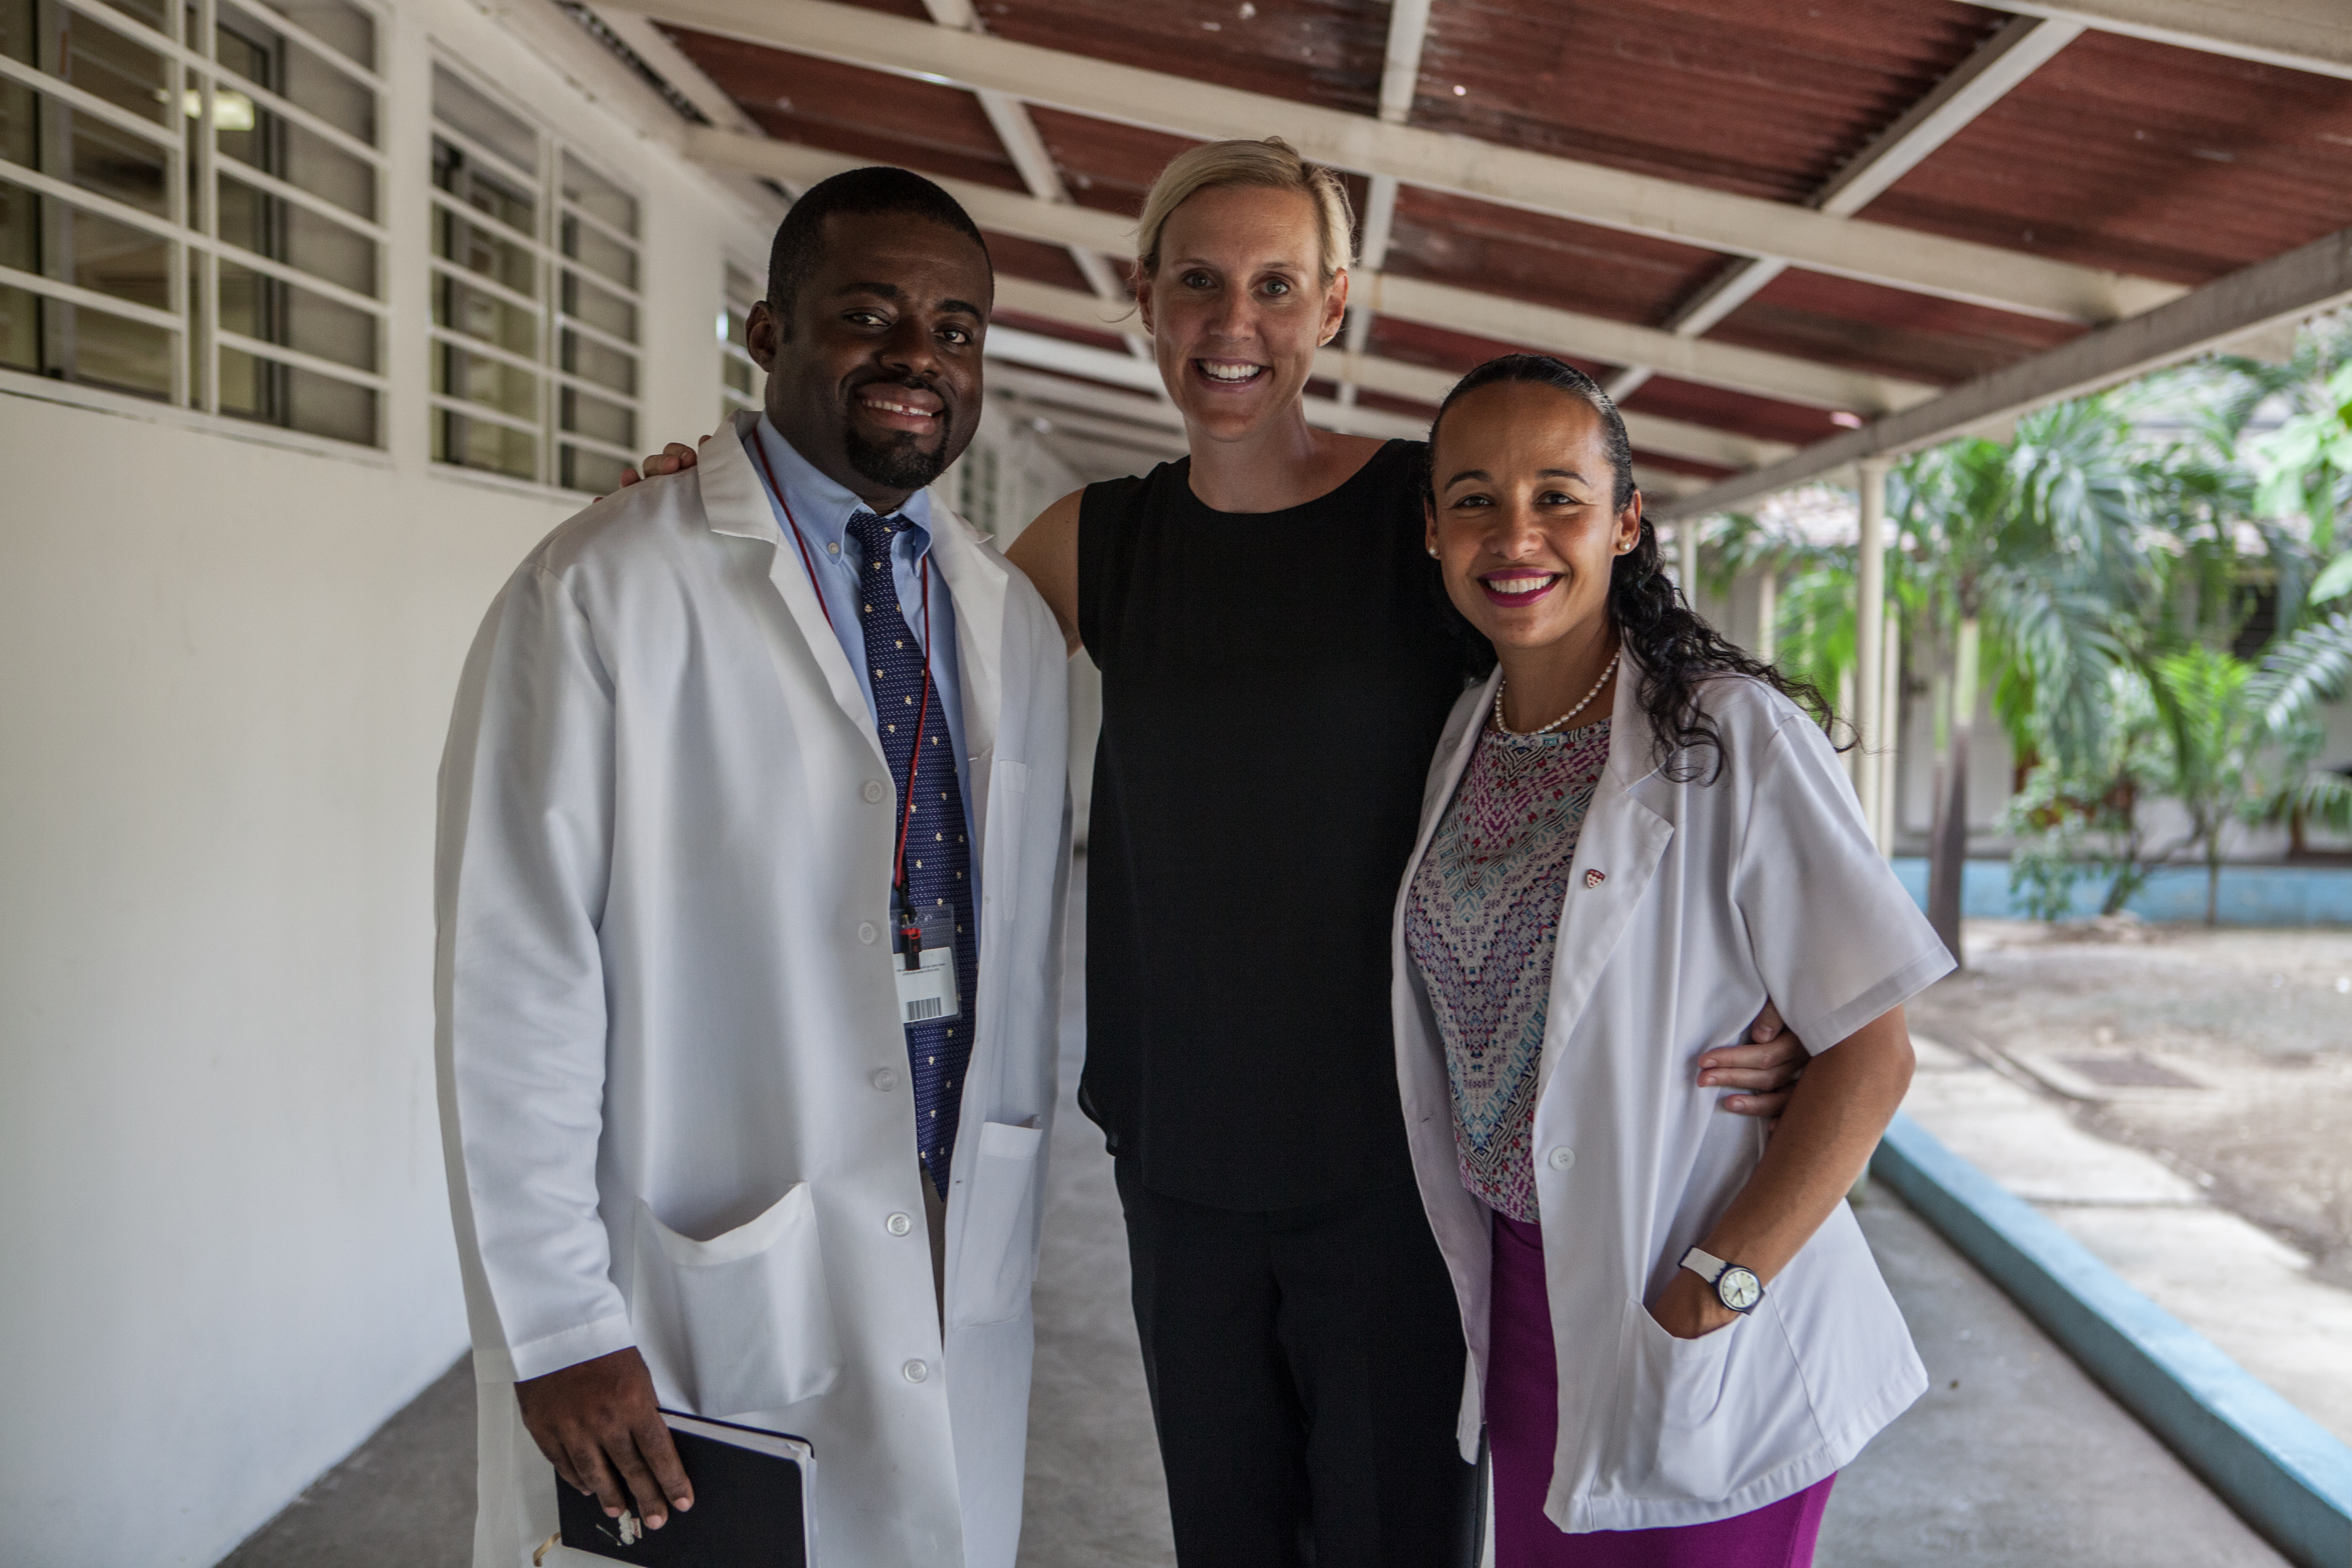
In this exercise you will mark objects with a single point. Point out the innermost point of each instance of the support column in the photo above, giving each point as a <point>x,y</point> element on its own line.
<point>1870,644</point>
<point>1890,725</point>
<point>1686,560</point>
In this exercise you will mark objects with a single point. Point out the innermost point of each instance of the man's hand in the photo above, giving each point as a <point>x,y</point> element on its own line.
<point>674,458</point>
<point>598,1424</point>
<point>1764,1070</point>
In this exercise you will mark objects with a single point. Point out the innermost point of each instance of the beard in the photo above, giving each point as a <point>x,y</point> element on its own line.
<point>897,463</point>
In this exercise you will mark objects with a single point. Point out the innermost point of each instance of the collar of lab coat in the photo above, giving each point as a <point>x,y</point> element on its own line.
<point>1622,840</point>
<point>735,502</point>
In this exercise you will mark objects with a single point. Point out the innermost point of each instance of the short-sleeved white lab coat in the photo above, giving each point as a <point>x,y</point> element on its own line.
<point>1688,904</point>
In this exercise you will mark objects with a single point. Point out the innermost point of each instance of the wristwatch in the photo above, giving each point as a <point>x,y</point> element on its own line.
<point>1737,1288</point>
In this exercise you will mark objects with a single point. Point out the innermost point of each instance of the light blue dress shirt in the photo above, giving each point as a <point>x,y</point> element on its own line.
<point>823,509</point>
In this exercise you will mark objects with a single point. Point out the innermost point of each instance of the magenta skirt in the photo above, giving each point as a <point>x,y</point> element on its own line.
<point>1523,1426</point>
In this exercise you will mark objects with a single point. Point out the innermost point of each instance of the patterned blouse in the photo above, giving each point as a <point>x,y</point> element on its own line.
<point>1480,923</point>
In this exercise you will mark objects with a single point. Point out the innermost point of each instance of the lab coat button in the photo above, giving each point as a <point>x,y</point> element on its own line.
<point>866,933</point>
<point>1563,1158</point>
<point>873,792</point>
<point>916,1371</point>
<point>897,1224</point>
<point>885,1079</point>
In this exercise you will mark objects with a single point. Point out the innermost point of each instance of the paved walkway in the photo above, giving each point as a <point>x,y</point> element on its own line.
<point>2251,1293</point>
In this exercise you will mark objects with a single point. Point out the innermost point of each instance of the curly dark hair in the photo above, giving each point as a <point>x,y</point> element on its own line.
<point>1677,650</point>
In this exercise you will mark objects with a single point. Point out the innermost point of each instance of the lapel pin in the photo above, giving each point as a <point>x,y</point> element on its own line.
<point>1594,878</point>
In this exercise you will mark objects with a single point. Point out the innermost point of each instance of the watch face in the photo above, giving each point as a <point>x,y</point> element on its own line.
<point>1739,1288</point>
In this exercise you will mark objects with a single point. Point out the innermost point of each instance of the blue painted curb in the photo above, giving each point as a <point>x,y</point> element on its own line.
<point>2250,895</point>
<point>2286,1475</point>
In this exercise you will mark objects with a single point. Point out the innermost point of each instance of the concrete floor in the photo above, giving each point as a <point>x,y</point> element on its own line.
<point>2013,1460</point>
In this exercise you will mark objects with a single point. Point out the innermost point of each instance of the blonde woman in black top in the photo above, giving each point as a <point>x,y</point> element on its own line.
<point>1278,660</point>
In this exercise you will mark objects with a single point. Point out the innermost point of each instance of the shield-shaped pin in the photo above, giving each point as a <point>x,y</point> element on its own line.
<point>1594,878</point>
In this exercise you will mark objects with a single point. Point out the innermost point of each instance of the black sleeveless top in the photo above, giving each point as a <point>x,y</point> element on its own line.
<point>1273,684</point>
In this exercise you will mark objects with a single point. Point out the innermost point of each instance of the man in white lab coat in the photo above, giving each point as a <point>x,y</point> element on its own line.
<point>750,886</point>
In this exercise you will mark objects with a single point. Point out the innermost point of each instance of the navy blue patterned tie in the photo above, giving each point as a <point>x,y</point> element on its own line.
<point>938,860</point>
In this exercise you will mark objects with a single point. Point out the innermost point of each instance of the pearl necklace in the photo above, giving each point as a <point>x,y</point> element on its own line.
<point>1606,670</point>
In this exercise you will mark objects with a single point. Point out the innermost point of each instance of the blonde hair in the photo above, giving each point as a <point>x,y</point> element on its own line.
<point>1272,164</point>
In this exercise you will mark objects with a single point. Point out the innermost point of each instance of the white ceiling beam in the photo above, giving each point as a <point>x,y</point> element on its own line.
<point>2302,283</point>
<point>1588,193</point>
<point>1009,118</point>
<point>1419,384</point>
<point>1572,333</point>
<point>1401,68</point>
<point>2301,34</point>
<point>2020,47</point>
<point>1046,391</point>
<point>1399,76</point>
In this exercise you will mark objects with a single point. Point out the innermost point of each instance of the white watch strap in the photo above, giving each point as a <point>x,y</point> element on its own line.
<point>1706,1265</point>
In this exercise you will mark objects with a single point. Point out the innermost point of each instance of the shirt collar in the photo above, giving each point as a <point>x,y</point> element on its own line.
<point>824,506</point>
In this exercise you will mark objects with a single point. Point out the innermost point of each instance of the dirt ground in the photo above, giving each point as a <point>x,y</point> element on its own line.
<point>2228,1053</point>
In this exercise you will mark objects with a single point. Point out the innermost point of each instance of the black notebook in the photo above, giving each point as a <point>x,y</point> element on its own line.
<point>750,1504</point>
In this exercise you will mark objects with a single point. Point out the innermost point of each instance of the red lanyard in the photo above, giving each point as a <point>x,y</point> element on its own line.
<point>922,714</point>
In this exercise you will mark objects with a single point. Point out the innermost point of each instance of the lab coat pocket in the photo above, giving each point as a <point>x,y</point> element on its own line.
<point>998,1263</point>
<point>1679,1381</point>
<point>741,1322</point>
<point>1675,1440</point>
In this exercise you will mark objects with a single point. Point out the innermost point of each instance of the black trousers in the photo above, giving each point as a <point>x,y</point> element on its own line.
<point>1305,1373</point>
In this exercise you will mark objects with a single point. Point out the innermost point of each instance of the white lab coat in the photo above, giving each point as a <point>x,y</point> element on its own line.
<point>1688,904</point>
<point>673,1088</point>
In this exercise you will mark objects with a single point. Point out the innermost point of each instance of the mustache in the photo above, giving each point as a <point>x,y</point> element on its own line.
<point>931,384</point>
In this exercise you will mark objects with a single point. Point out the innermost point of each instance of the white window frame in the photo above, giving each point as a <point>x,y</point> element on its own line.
<point>732,354</point>
<point>193,323</point>
<point>551,207</point>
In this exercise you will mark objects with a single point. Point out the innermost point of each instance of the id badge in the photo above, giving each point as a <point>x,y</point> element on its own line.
<point>927,985</point>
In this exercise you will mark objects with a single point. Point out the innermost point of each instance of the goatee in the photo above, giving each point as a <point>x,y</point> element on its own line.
<point>899,464</point>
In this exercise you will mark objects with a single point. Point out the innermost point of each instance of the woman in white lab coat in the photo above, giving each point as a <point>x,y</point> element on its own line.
<point>1632,834</point>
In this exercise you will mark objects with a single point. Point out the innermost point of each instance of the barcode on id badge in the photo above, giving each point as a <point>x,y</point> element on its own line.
<point>924,1009</point>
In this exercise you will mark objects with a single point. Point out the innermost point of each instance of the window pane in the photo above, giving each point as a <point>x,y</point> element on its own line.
<point>108,350</point>
<point>340,27</point>
<point>593,473</point>
<point>20,228</point>
<point>20,137</point>
<point>20,329</point>
<point>297,236</point>
<point>489,194</point>
<point>739,379</point>
<point>251,388</point>
<point>114,163</point>
<point>484,251</point>
<point>108,257</point>
<point>480,314</point>
<point>322,406</point>
<point>456,102</point>
<point>334,97</point>
<point>478,444</point>
<point>587,414</point>
<point>600,252</point>
<point>150,11</point>
<point>607,311</point>
<point>277,312</point>
<point>98,59</point>
<point>477,378</point>
<point>606,366</point>
<point>597,196</point>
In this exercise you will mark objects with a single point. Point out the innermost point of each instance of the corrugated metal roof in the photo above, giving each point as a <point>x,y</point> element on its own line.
<point>2143,158</point>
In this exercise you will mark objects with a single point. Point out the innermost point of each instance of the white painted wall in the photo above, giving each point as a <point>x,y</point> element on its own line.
<point>226,669</point>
